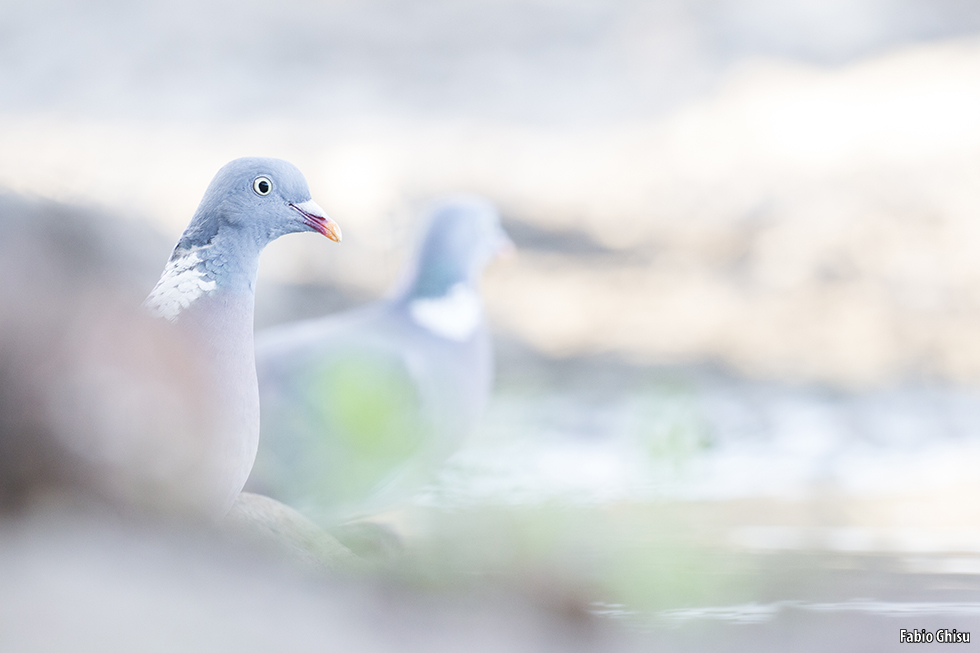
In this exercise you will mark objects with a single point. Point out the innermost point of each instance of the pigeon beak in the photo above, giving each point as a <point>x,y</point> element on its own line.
<point>316,219</point>
<point>505,247</point>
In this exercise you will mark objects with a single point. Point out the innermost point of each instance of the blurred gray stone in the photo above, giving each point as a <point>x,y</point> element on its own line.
<point>280,529</point>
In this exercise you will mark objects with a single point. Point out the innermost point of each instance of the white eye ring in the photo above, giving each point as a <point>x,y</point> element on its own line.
<point>262,185</point>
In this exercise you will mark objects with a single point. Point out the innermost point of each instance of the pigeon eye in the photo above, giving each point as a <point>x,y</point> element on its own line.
<point>262,185</point>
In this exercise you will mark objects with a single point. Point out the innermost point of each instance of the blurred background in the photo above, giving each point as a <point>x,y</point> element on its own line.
<point>739,347</point>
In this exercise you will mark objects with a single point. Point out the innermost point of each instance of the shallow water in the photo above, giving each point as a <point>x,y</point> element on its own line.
<point>691,435</point>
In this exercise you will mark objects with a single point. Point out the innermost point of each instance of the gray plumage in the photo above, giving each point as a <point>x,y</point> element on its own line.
<point>374,398</point>
<point>208,290</point>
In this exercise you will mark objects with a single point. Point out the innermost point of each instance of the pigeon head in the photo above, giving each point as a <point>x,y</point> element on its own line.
<point>249,203</point>
<point>257,200</point>
<point>464,234</point>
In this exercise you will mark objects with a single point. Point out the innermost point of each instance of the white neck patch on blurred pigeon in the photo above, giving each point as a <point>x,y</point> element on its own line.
<point>183,281</point>
<point>455,315</point>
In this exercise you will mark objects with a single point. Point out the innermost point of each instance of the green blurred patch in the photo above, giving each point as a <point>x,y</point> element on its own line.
<point>371,421</point>
<point>372,404</point>
<point>645,556</point>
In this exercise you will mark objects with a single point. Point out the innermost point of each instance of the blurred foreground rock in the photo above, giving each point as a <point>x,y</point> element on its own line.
<point>97,399</point>
<point>82,583</point>
<point>282,530</point>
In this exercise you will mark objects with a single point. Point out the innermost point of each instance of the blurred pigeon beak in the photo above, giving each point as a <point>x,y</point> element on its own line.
<point>316,218</point>
<point>505,247</point>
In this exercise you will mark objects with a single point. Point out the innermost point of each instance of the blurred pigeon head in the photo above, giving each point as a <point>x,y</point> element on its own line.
<point>463,235</point>
<point>97,400</point>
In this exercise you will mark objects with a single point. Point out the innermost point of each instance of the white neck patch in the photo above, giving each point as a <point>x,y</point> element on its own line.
<point>183,281</point>
<point>455,315</point>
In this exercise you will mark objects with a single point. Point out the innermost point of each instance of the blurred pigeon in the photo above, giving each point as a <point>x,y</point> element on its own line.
<point>374,398</point>
<point>208,290</point>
